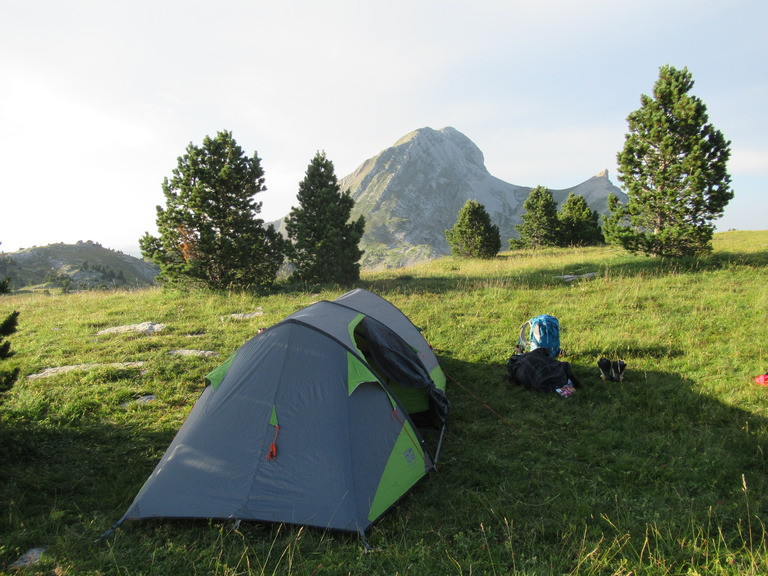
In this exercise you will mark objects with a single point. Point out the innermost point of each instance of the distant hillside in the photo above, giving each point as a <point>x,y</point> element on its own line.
<point>411,193</point>
<point>85,265</point>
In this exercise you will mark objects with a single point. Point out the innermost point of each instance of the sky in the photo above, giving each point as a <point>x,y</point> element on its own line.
<point>98,99</point>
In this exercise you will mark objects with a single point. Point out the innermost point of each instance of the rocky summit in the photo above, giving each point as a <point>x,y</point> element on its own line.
<point>413,191</point>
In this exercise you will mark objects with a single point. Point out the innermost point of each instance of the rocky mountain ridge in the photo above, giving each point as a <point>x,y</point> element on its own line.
<point>412,192</point>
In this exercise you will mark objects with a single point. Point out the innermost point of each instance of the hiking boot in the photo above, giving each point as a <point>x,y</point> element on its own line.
<point>618,370</point>
<point>605,369</point>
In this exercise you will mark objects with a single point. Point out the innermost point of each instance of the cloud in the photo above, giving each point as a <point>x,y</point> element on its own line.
<point>748,161</point>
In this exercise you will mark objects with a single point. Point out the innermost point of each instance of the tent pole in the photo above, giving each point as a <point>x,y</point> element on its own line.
<point>109,532</point>
<point>440,443</point>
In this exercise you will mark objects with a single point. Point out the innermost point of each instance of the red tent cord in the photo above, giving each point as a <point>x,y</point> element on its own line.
<point>273,448</point>
<point>499,416</point>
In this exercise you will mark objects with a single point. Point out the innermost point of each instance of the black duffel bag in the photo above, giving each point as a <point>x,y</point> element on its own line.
<point>537,370</point>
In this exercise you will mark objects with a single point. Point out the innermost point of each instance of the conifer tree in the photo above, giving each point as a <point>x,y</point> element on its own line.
<point>7,327</point>
<point>324,243</point>
<point>540,227</point>
<point>209,232</point>
<point>473,235</point>
<point>579,224</point>
<point>673,167</point>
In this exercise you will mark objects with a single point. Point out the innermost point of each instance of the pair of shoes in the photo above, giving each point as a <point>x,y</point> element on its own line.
<point>611,371</point>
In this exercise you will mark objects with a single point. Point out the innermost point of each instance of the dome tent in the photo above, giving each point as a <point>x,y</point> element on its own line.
<point>299,426</point>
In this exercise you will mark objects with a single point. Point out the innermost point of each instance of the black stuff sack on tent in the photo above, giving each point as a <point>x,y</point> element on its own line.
<point>537,370</point>
<point>399,363</point>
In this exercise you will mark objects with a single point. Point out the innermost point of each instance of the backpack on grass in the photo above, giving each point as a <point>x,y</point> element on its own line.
<point>541,331</point>
<point>537,370</point>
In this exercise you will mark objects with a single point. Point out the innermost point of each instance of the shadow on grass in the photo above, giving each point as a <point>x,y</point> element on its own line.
<point>616,461</point>
<point>80,467</point>
<point>526,481</point>
<point>62,487</point>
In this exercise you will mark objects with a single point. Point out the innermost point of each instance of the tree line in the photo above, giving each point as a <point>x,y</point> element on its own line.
<point>575,224</point>
<point>674,169</point>
<point>672,165</point>
<point>209,232</point>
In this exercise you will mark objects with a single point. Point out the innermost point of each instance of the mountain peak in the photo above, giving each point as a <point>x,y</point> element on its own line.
<point>412,192</point>
<point>447,143</point>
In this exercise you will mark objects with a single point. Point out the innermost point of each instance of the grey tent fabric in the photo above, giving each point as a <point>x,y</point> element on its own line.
<point>345,449</point>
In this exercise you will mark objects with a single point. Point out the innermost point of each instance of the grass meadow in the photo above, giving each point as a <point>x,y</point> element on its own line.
<point>663,473</point>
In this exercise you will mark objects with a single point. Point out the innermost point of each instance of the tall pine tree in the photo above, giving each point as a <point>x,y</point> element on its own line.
<point>673,167</point>
<point>209,232</point>
<point>324,243</point>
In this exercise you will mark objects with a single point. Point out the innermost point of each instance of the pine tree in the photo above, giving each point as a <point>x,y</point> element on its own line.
<point>579,224</point>
<point>473,235</point>
<point>540,227</point>
<point>7,327</point>
<point>209,232</point>
<point>324,243</point>
<point>673,167</point>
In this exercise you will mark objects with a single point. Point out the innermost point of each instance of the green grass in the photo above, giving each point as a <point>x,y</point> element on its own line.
<point>664,473</point>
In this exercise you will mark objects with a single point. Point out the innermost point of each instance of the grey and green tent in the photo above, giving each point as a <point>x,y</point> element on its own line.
<point>301,425</point>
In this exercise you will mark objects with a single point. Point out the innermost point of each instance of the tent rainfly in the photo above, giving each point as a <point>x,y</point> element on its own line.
<point>308,423</point>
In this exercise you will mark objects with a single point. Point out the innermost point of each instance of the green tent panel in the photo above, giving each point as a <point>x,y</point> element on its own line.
<point>438,377</point>
<point>402,471</point>
<point>214,377</point>
<point>345,448</point>
<point>357,372</point>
